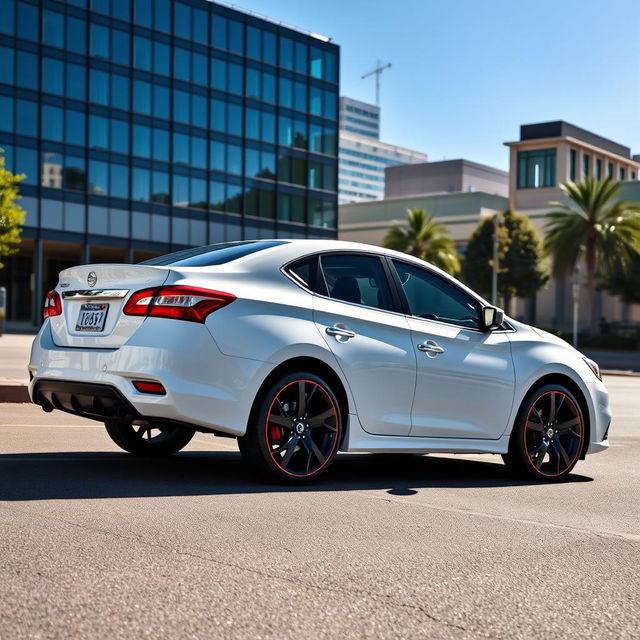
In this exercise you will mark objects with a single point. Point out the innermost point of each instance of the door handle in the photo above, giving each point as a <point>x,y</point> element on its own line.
<point>339,332</point>
<point>430,348</point>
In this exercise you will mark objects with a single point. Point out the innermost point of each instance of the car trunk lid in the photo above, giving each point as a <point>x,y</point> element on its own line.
<point>93,298</point>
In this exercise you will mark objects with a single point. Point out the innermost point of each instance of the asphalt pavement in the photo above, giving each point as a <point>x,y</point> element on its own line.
<point>95,543</point>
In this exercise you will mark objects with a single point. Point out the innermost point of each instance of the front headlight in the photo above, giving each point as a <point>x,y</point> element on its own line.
<point>594,367</point>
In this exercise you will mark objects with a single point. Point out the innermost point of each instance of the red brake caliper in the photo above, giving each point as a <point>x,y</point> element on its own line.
<point>275,433</point>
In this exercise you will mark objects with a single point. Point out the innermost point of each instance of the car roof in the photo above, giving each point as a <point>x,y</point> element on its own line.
<point>298,248</point>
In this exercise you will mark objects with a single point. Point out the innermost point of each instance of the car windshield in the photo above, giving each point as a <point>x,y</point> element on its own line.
<point>212,254</point>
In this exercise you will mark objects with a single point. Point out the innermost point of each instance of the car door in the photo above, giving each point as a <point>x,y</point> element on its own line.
<point>370,340</point>
<point>465,377</point>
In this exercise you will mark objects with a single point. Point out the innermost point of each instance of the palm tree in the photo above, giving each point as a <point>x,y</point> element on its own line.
<point>595,225</point>
<point>425,239</point>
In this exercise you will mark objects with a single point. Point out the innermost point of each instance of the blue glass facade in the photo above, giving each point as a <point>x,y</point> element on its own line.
<point>148,125</point>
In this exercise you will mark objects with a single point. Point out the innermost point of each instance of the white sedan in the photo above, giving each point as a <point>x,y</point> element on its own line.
<point>303,348</point>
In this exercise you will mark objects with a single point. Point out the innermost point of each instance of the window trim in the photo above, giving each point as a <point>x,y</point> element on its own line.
<point>287,270</point>
<point>318,286</point>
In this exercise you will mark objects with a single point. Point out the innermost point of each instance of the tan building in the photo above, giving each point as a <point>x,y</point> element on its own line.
<point>547,155</point>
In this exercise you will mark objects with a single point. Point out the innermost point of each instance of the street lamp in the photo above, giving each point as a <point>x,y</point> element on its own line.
<point>575,290</point>
<point>497,219</point>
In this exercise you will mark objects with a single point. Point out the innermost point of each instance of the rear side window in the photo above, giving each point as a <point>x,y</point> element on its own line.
<point>433,298</point>
<point>357,279</point>
<point>302,272</point>
<point>212,254</point>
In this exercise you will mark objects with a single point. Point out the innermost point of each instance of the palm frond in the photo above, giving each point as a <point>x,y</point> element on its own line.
<point>423,238</point>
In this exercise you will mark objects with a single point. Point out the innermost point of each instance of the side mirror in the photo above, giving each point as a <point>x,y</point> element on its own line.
<point>492,318</point>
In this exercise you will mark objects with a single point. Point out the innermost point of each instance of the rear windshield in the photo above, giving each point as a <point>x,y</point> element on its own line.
<point>212,254</point>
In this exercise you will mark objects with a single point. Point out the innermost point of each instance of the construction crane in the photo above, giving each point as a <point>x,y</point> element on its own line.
<point>378,72</point>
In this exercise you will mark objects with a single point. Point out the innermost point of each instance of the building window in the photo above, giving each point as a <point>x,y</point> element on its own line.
<point>610,170</point>
<point>623,173</point>
<point>585,165</point>
<point>598,168</point>
<point>572,164</point>
<point>536,169</point>
<point>28,21</point>
<point>53,29</point>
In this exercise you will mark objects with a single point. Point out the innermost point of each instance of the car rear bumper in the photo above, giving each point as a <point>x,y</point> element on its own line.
<point>94,401</point>
<point>204,387</point>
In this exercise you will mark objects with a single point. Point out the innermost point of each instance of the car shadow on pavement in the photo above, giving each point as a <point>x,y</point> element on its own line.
<point>72,475</point>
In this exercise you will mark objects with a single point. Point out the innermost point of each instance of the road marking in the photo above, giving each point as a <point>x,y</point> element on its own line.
<point>101,426</point>
<point>56,426</point>
<point>630,537</point>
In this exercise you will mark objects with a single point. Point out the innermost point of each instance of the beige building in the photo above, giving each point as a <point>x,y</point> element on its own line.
<point>547,155</point>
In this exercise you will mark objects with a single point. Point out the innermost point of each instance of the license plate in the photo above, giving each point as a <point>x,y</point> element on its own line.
<point>92,317</point>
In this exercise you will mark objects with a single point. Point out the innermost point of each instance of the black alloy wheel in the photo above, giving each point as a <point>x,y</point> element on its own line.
<point>297,431</point>
<point>548,437</point>
<point>149,440</point>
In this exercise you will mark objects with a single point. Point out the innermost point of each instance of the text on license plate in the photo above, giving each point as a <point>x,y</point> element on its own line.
<point>92,317</point>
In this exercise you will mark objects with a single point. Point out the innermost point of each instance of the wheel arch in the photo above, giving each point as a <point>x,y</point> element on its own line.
<point>312,365</point>
<point>569,383</point>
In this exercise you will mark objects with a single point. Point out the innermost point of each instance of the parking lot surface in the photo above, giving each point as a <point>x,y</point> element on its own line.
<point>95,543</point>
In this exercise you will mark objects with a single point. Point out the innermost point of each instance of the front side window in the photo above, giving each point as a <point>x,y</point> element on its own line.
<point>357,279</point>
<point>433,298</point>
<point>536,169</point>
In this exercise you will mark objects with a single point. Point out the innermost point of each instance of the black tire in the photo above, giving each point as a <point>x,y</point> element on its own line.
<point>151,442</point>
<point>548,435</point>
<point>295,430</point>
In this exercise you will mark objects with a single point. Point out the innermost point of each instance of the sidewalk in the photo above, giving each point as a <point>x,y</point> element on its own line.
<point>14,357</point>
<point>618,361</point>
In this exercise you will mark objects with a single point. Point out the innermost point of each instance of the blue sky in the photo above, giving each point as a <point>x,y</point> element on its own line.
<point>467,73</point>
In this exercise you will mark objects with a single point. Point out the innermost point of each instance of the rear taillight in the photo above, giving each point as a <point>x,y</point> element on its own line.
<point>52,305</point>
<point>177,302</point>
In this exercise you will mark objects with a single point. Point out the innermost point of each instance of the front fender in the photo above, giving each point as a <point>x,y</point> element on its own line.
<point>535,360</point>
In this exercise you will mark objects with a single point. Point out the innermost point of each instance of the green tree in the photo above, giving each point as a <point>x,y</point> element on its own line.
<point>594,225</point>
<point>625,282</point>
<point>11,215</point>
<point>522,267</point>
<point>424,238</point>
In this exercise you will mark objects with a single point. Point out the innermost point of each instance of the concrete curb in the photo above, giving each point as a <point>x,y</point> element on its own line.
<point>14,391</point>
<point>617,372</point>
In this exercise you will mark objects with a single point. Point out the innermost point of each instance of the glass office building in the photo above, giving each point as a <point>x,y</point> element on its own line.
<point>145,126</point>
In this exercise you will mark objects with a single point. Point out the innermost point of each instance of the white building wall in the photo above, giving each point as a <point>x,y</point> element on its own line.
<point>361,166</point>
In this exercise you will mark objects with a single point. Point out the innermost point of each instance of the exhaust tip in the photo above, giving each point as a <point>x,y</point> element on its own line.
<point>47,407</point>
<point>75,404</point>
